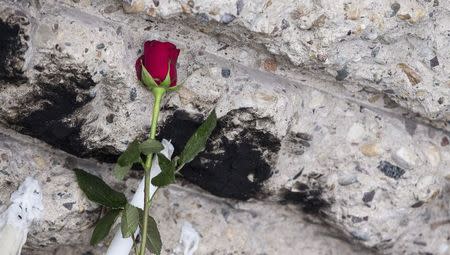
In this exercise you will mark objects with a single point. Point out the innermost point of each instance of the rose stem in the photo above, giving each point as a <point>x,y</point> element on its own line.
<point>158,94</point>
<point>134,244</point>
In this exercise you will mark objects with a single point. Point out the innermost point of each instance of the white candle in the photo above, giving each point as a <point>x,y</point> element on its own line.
<point>189,240</point>
<point>120,245</point>
<point>26,206</point>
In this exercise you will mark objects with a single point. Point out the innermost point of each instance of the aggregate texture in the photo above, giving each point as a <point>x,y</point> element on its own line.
<point>337,109</point>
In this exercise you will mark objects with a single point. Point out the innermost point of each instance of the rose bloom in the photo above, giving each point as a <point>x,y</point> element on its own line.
<point>156,59</point>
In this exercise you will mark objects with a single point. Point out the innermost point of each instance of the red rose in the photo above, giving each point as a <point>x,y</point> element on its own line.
<point>156,59</point>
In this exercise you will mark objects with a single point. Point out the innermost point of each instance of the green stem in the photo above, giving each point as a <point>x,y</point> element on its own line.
<point>134,244</point>
<point>158,94</point>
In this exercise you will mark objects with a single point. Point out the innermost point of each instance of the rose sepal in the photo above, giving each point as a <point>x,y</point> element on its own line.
<point>176,87</point>
<point>147,78</point>
<point>166,82</point>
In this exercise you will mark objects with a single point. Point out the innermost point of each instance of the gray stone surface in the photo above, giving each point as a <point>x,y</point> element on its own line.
<point>340,109</point>
<point>361,45</point>
<point>225,226</point>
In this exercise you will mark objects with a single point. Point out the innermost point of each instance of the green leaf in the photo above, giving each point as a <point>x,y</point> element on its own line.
<point>130,220</point>
<point>103,226</point>
<point>197,142</point>
<point>147,78</point>
<point>150,146</point>
<point>154,243</point>
<point>131,155</point>
<point>121,171</point>
<point>98,191</point>
<point>167,175</point>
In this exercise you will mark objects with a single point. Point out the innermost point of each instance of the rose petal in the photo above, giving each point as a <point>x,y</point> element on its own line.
<point>173,67</point>
<point>156,59</point>
<point>138,66</point>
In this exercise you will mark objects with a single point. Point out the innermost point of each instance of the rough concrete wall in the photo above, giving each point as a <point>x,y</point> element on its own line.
<point>225,226</point>
<point>361,45</point>
<point>338,109</point>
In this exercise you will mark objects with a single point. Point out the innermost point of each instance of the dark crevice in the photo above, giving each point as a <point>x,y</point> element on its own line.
<point>236,160</point>
<point>107,154</point>
<point>61,89</point>
<point>12,49</point>
<point>307,195</point>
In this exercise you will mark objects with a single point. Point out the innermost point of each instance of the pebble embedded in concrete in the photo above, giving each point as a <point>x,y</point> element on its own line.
<point>405,157</point>
<point>371,149</point>
<point>355,133</point>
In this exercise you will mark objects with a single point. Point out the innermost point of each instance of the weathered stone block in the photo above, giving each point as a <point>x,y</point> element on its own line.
<point>318,109</point>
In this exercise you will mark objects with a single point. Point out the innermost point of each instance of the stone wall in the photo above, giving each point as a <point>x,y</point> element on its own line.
<point>333,133</point>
